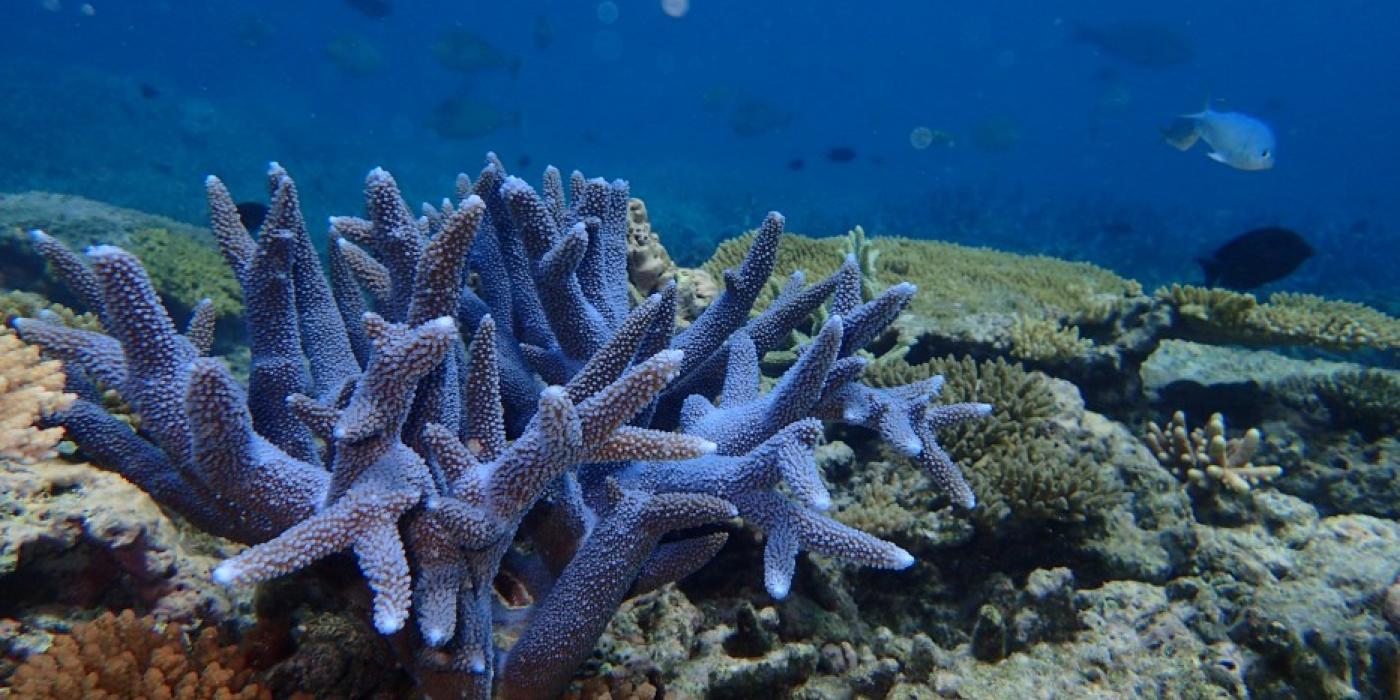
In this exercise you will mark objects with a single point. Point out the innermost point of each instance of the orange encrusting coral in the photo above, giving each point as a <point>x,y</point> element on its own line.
<point>123,656</point>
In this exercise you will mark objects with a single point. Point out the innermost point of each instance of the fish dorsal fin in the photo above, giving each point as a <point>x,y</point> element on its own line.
<point>1205,110</point>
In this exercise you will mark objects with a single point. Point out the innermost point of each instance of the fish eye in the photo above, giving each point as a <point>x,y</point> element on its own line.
<point>1265,153</point>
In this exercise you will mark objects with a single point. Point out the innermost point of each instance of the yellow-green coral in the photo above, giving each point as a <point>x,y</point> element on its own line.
<point>16,304</point>
<point>186,270</point>
<point>1040,478</point>
<point>1205,457</point>
<point>865,254</point>
<point>1286,319</point>
<point>1043,340</point>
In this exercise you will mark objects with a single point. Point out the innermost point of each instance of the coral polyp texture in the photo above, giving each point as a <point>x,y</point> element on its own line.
<point>29,387</point>
<point>454,372</point>
<point>124,656</point>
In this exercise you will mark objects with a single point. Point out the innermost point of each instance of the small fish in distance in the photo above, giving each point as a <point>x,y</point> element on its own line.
<point>373,9</point>
<point>1255,258</point>
<point>1237,140</point>
<point>841,154</point>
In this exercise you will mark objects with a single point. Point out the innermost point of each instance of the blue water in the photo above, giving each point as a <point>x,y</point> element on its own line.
<point>650,97</point>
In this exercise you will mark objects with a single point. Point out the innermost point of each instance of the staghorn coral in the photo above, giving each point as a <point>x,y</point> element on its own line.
<point>1285,319</point>
<point>421,435</point>
<point>29,388</point>
<point>124,656</point>
<point>1205,458</point>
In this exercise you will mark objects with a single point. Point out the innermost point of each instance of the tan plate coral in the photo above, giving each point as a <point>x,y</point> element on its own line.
<point>1285,319</point>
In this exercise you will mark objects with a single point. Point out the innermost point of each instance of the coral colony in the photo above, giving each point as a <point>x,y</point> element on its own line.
<point>503,371</point>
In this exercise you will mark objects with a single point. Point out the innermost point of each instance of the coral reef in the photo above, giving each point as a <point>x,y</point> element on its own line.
<point>125,656</point>
<point>532,425</point>
<point>1367,401</point>
<point>29,388</point>
<point>1205,457</point>
<point>73,537</point>
<point>1028,463</point>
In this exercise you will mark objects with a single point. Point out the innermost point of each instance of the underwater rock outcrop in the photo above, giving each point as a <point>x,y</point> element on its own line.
<point>504,413</point>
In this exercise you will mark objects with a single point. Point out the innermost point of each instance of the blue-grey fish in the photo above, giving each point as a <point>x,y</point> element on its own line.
<point>1237,140</point>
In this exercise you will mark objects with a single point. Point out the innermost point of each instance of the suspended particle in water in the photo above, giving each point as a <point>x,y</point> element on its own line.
<point>51,5</point>
<point>607,12</point>
<point>921,137</point>
<point>88,10</point>
<point>675,8</point>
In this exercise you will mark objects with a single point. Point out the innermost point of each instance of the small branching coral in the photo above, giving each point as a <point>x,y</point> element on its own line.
<point>1207,459</point>
<point>29,388</point>
<point>124,656</point>
<point>503,372</point>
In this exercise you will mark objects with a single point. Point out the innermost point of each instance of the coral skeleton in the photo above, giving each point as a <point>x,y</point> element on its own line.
<point>455,372</point>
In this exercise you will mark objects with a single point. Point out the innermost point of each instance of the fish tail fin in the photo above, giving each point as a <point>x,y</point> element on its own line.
<point>1182,133</point>
<point>1211,269</point>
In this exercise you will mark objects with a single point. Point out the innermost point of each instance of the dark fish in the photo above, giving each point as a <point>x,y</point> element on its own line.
<point>523,161</point>
<point>463,118</point>
<point>996,134</point>
<point>149,91</point>
<point>1142,43</point>
<point>1256,258</point>
<point>754,117</point>
<point>252,214</point>
<point>1118,228</point>
<point>461,51</point>
<point>544,32</point>
<point>354,55</point>
<point>841,154</point>
<point>796,164</point>
<point>374,9</point>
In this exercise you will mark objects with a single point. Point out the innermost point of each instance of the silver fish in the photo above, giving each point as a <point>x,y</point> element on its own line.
<point>1237,140</point>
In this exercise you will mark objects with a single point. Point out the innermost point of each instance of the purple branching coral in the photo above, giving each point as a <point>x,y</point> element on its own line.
<point>504,372</point>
